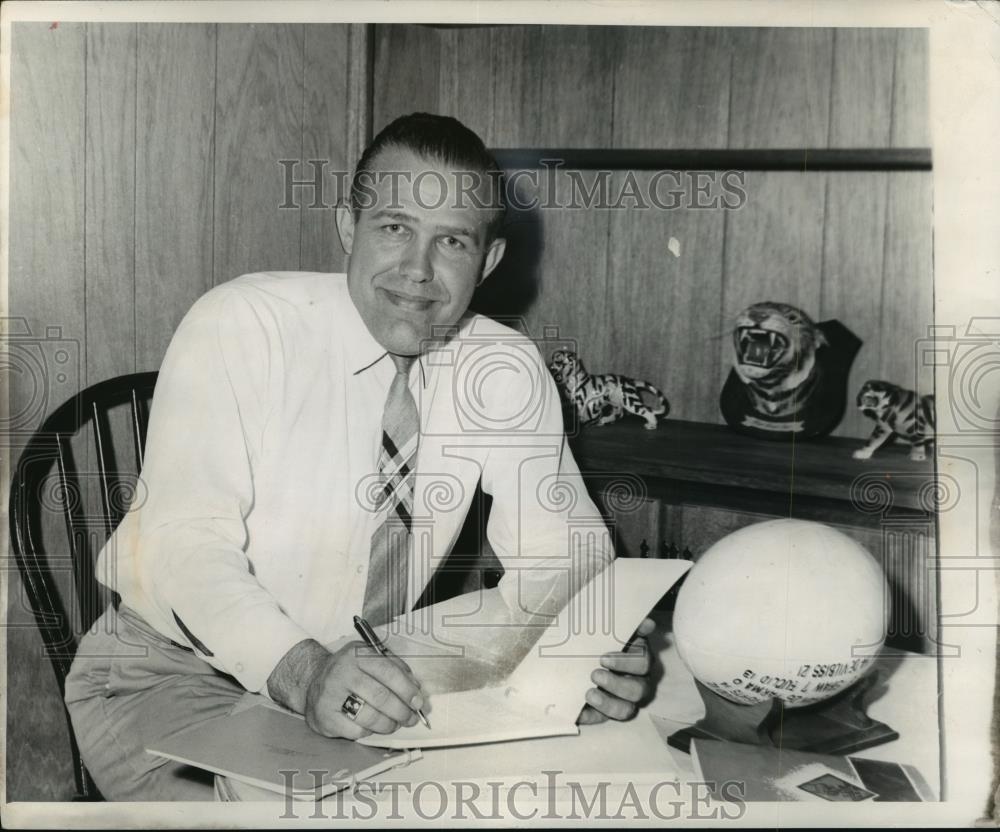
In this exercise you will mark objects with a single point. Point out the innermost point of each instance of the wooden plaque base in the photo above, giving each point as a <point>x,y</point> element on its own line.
<point>838,725</point>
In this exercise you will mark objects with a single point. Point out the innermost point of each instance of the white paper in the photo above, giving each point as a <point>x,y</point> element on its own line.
<point>545,693</point>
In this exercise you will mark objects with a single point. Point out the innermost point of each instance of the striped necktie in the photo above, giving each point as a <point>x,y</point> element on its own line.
<point>388,568</point>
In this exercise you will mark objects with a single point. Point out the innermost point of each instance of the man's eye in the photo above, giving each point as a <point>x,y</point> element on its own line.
<point>393,228</point>
<point>453,242</point>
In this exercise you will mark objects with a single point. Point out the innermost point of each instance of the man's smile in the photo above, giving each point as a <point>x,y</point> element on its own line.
<point>413,303</point>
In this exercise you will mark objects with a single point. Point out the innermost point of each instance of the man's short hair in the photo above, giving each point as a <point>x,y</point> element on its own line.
<point>444,139</point>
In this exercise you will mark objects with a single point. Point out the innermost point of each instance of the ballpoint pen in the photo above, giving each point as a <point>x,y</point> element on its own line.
<point>373,641</point>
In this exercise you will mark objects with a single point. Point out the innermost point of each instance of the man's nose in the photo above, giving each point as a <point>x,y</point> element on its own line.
<point>416,263</point>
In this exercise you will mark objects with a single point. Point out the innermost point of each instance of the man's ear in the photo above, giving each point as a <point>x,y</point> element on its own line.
<point>345,226</point>
<point>493,257</point>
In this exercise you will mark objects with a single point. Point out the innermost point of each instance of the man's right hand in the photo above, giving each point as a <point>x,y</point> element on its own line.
<point>315,682</point>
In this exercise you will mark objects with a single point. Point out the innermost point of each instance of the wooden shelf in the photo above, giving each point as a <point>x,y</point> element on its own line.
<point>791,159</point>
<point>707,464</point>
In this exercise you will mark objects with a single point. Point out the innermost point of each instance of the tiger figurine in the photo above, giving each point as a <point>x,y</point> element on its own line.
<point>775,356</point>
<point>898,412</point>
<point>602,399</point>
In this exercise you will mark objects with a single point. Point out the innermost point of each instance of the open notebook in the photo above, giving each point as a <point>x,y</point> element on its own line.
<point>544,693</point>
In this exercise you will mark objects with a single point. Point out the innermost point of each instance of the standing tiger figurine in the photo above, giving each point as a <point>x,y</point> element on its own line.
<point>898,412</point>
<point>602,399</point>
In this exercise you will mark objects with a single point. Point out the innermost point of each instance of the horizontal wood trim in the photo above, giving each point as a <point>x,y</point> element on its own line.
<point>790,159</point>
<point>704,464</point>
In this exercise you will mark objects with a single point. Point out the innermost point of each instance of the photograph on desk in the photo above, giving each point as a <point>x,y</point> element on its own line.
<point>509,414</point>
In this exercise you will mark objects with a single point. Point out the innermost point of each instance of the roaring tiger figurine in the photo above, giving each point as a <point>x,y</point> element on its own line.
<point>898,412</point>
<point>602,399</point>
<point>789,374</point>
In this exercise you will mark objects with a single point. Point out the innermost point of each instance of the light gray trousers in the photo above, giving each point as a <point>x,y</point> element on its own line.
<point>129,687</point>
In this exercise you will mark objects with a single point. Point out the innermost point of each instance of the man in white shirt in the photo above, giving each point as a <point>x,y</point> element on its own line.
<point>242,567</point>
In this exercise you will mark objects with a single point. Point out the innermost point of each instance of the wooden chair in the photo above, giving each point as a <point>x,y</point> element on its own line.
<point>49,447</point>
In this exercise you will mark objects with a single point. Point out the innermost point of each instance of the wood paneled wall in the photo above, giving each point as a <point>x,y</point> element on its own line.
<point>153,154</point>
<point>553,86</point>
<point>144,170</point>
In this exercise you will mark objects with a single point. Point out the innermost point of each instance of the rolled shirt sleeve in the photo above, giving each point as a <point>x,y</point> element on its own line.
<point>213,397</point>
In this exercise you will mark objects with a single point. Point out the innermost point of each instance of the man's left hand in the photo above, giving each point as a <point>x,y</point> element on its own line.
<point>621,681</point>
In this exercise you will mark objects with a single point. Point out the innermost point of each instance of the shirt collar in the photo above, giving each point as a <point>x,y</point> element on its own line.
<point>385,357</point>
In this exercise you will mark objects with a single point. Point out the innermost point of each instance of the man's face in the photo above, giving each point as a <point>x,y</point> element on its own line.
<point>418,254</point>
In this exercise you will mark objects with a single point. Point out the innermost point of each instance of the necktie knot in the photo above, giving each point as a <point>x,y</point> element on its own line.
<point>402,362</point>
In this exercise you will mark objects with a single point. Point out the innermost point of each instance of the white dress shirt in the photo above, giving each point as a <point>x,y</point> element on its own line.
<point>252,530</point>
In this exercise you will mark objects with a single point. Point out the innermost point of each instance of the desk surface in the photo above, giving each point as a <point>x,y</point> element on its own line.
<point>636,752</point>
<point>711,464</point>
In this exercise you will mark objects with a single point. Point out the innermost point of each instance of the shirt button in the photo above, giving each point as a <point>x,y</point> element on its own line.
<point>360,569</point>
<point>239,667</point>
